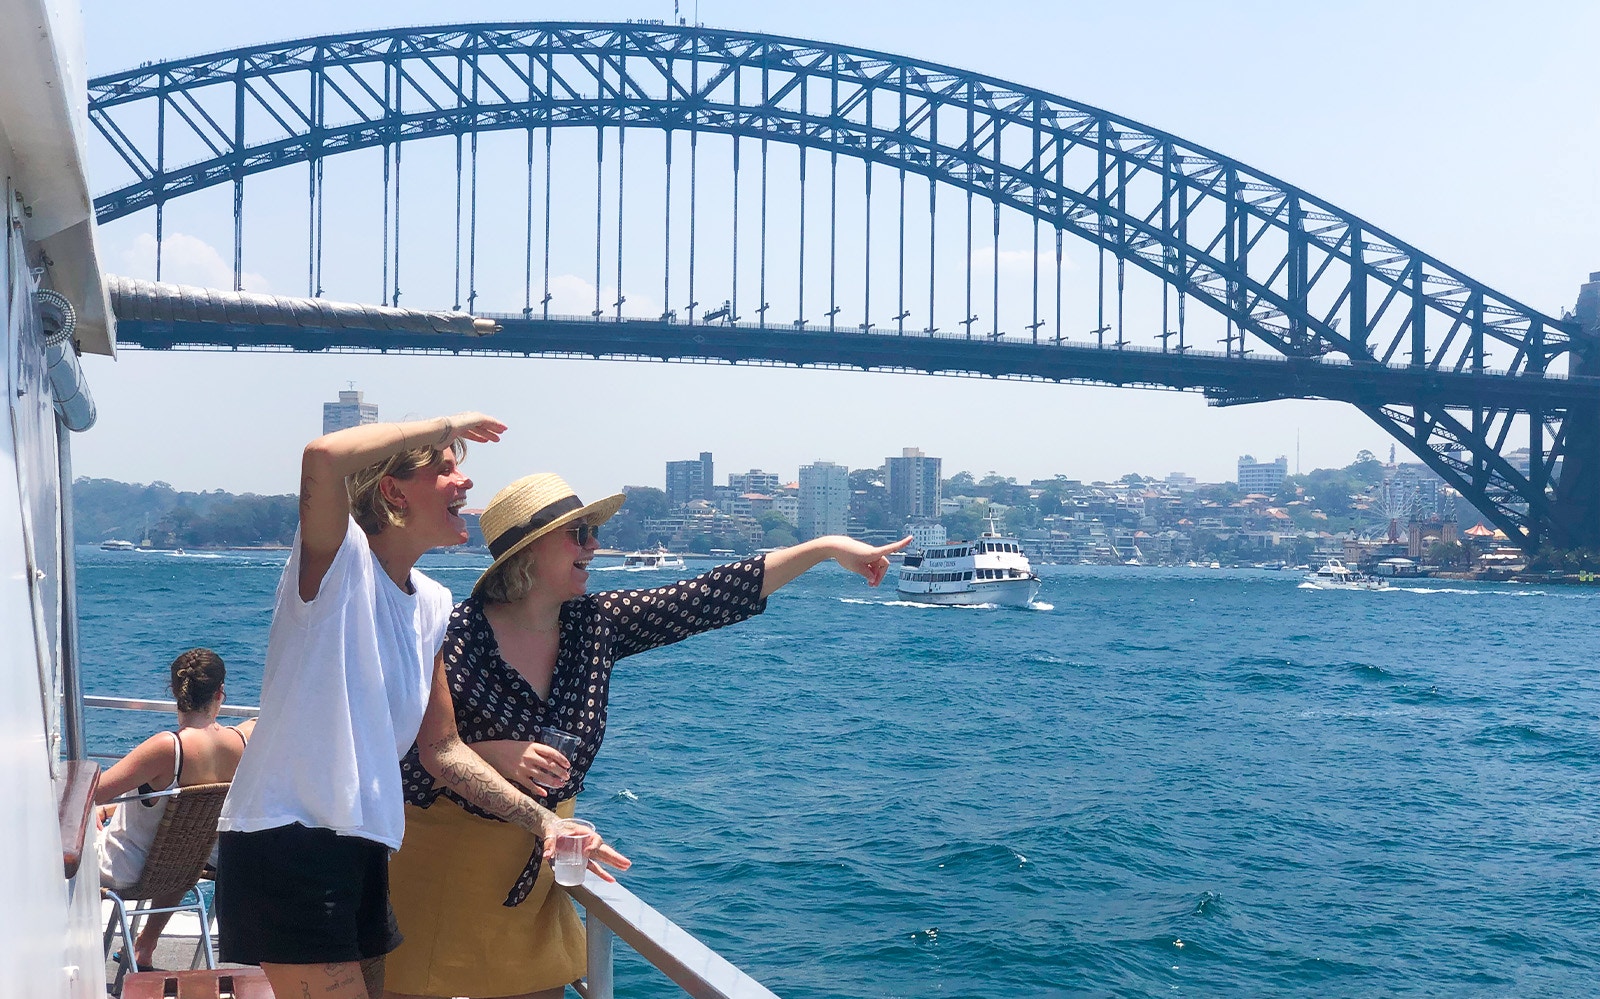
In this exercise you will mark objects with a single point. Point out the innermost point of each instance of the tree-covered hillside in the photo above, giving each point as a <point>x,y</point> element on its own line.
<point>105,509</point>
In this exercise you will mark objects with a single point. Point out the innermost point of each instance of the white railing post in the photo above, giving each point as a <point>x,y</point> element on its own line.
<point>598,978</point>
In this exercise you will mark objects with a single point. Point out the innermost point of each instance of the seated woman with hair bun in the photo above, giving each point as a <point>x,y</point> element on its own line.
<point>201,751</point>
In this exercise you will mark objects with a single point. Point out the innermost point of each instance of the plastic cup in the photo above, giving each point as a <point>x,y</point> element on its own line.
<point>564,743</point>
<point>570,862</point>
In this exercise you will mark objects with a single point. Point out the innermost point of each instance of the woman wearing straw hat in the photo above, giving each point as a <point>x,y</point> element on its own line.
<point>316,804</point>
<point>529,651</point>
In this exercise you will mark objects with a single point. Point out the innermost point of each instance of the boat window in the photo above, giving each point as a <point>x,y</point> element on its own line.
<point>966,576</point>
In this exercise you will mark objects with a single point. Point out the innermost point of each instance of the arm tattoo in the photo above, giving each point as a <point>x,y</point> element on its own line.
<point>465,772</point>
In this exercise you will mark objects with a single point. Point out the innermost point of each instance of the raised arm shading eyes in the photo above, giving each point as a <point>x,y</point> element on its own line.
<point>329,460</point>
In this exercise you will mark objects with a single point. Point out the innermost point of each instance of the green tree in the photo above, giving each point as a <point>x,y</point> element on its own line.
<point>960,484</point>
<point>1450,555</point>
<point>775,531</point>
<point>1366,468</point>
<point>966,523</point>
<point>1222,493</point>
<point>626,530</point>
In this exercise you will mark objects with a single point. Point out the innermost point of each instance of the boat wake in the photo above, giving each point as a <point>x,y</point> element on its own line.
<point>1471,593</point>
<point>1037,605</point>
<point>918,604</point>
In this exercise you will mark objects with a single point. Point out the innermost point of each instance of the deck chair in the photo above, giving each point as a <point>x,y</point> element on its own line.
<point>179,851</point>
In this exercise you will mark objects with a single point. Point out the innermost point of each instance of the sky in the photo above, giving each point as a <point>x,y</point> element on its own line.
<point>1464,128</point>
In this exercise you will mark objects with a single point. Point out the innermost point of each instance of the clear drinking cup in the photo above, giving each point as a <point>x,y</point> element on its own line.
<point>572,835</point>
<point>564,743</point>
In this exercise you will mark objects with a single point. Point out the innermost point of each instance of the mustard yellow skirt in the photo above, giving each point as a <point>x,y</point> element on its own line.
<point>447,884</point>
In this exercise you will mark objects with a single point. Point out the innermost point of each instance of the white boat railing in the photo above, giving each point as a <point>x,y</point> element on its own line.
<point>610,912</point>
<point>168,707</point>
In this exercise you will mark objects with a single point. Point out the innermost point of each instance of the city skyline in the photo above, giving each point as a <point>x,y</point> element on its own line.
<point>604,424</point>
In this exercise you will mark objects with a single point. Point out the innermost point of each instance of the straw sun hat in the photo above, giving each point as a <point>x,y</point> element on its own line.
<point>530,508</point>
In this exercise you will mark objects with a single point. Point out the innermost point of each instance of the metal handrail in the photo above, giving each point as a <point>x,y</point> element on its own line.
<point>142,704</point>
<point>610,911</point>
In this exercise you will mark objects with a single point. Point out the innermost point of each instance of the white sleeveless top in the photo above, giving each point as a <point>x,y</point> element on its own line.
<point>125,842</point>
<point>347,679</point>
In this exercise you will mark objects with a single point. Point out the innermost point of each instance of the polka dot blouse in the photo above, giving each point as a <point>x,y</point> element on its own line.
<point>494,702</point>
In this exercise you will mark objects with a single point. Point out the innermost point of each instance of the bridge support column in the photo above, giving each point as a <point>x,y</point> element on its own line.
<point>1576,510</point>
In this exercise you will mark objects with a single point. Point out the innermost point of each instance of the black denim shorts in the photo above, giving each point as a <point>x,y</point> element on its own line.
<point>295,895</point>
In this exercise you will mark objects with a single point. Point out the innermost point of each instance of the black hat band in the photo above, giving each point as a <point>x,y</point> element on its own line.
<point>539,521</point>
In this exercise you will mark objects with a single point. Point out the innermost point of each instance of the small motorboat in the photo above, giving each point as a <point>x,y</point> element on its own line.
<point>1335,575</point>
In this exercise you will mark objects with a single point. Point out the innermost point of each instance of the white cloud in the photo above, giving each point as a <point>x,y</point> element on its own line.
<point>1021,261</point>
<point>185,259</point>
<point>571,295</point>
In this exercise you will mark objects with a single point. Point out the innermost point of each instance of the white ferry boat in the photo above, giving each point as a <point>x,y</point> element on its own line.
<point>1335,575</point>
<point>115,545</point>
<point>990,570</point>
<point>658,559</point>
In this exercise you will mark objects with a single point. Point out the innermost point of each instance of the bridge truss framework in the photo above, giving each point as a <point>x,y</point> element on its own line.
<point>1355,313</point>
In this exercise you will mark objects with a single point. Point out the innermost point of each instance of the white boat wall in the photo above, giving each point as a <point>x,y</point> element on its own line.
<point>49,924</point>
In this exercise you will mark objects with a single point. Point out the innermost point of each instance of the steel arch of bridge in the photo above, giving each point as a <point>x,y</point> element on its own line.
<point>1302,277</point>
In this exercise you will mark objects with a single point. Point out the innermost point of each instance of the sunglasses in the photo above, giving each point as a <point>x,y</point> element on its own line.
<point>582,531</point>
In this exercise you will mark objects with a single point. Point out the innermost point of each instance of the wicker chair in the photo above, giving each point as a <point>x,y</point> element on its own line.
<point>177,855</point>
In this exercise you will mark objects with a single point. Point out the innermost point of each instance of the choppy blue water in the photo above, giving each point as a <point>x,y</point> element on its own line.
<point>1170,782</point>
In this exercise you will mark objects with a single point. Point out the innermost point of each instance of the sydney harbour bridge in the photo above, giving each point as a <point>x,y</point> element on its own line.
<point>795,202</point>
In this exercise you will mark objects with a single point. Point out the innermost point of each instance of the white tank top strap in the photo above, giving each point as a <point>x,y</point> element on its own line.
<point>177,755</point>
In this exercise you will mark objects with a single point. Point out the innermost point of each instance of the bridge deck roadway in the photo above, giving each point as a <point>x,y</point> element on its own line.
<point>1228,378</point>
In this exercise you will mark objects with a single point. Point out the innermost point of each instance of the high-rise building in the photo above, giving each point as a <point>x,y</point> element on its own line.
<point>754,481</point>
<point>1261,476</point>
<point>689,480</point>
<point>824,499</point>
<point>913,482</point>
<point>788,507</point>
<point>348,412</point>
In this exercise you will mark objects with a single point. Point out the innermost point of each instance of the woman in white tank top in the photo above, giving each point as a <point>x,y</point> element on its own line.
<point>201,751</point>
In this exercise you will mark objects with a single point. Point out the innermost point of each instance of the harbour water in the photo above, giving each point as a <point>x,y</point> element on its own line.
<point>1156,782</point>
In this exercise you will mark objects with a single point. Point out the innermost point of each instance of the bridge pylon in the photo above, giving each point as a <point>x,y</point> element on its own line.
<point>1576,510</point>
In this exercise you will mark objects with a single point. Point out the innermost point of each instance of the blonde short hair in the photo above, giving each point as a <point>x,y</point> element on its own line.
<point>510,581</point>
<point>371,509</point>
